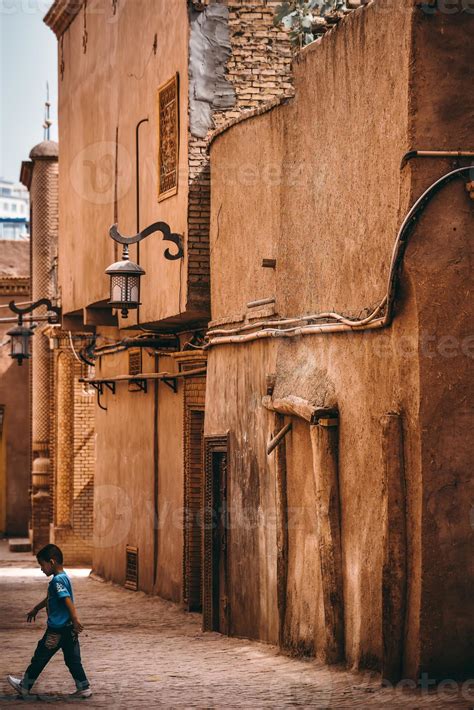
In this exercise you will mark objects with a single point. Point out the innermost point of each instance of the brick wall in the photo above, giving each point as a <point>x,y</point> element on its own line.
<point>194,392</point>
<point>76,539</point>
<point>259,69</point>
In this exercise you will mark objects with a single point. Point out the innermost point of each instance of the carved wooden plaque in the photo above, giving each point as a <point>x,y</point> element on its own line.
<point>168,138</point>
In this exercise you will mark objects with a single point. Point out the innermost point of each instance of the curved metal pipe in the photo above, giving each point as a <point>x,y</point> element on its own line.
<point>435,154</point>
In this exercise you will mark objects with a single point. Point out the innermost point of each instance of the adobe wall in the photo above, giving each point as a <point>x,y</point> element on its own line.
<point>14,397</point>
<point>317,185</point>
<point>125,484</point>
<point>14,394</point>
<point>109,73</point>
<point>440,263</point>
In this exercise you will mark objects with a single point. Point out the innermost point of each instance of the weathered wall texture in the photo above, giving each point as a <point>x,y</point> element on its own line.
<point>126,479</point>
<point>107,85</point>
<point>108,82</point>
<point>324,195</point>
<point>441,267</point>
<point>14,398</point>
<point>238,61</point>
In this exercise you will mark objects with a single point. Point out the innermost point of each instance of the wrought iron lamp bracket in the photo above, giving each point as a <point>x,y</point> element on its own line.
<point>21,311</point>
<point>168,236</point>
<point>99,387</point>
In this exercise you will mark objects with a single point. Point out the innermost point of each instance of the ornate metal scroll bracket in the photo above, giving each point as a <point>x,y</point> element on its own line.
<point>55,311</point>
<point>168,236</point>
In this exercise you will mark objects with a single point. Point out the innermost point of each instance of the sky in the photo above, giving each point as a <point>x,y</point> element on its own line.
<point>28,51</point>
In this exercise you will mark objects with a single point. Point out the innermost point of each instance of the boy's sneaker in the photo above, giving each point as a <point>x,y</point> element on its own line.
<point>16,685</point>
<point>86,693</point>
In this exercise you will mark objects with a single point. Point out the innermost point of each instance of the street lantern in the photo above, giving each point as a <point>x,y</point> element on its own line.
<point>20,335</point>
<point>125,275</point>
<point>125,284</point>
<point>20,342</point>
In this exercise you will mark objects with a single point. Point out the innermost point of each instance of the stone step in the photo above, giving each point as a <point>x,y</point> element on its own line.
<point>19,544</point>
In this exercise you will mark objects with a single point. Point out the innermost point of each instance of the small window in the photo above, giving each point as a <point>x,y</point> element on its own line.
<point>131,573</point>
<point>134,367</point>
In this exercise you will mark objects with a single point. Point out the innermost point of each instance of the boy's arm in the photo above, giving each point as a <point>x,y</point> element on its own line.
<point>32,614</point>
<point>73,614</point>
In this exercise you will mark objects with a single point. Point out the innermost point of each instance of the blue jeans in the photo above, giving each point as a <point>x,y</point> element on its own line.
<point>52,641</point>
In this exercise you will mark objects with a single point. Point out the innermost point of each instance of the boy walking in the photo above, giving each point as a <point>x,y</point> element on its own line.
<point>63,628</point>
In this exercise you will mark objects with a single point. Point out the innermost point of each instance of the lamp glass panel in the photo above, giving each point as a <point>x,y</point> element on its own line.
<point>134,289</point>
<point>18,347</point>
<point>116,293</point>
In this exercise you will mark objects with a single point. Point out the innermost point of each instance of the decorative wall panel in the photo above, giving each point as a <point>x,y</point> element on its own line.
<point>168,138</point>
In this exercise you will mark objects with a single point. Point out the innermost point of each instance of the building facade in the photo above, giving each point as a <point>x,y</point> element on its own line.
<point>14,211</point>
<point>62,413</point>
<point>14,397</point>
<point>134,120</point>
<point>288,474</point>
<point>336,358</point>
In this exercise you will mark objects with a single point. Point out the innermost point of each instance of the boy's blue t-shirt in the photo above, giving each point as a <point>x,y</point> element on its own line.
<point>59,588</point>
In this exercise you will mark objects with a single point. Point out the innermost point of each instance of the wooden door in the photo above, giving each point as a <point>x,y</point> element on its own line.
<point>216,607</point>
<point>193,494</point>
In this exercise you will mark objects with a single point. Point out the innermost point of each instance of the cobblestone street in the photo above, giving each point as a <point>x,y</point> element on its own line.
<point>140,651</point>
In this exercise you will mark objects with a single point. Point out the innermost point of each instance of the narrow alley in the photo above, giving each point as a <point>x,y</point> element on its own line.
<point>140,651</point>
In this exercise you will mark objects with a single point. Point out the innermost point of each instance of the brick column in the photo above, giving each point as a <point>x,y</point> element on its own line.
<point>44,234</point>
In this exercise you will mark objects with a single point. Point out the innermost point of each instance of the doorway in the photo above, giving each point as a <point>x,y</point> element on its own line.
<point>193,497</point>
<point>216,607</point>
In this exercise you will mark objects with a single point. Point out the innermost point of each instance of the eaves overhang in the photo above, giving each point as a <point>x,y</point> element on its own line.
<point>61,14</point>
<point>26,173</point>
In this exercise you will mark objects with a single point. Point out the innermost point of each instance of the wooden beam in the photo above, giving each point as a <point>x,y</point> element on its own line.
<point>278,438</point>
<point>281,503</point>
<point>324,441</point>
<point>394,573</point>
<point>296,407</point>
<point>99,316</point>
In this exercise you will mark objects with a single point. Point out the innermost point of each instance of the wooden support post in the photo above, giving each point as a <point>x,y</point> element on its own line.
<point>281,531</point>
<point>324,440</point>
<point>394,574</point>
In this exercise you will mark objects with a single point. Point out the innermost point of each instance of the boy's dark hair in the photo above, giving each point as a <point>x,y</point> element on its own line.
<point>50,552</point>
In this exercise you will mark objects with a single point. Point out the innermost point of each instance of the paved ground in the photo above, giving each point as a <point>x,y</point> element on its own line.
<point>140,651</point>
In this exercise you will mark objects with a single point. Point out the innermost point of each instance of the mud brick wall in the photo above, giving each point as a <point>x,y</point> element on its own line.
<point>259,70</point>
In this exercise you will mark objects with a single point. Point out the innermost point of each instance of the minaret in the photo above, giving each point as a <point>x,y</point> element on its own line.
<point>42,182</point>
<point>47,120</point>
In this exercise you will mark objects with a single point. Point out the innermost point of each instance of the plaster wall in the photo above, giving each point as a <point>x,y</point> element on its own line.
<point>14,397</point>
<point>441,263</point>
<point>236,380</point>
<point>110,76</point>
<point>332,231</point>
<point>124,495</point>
